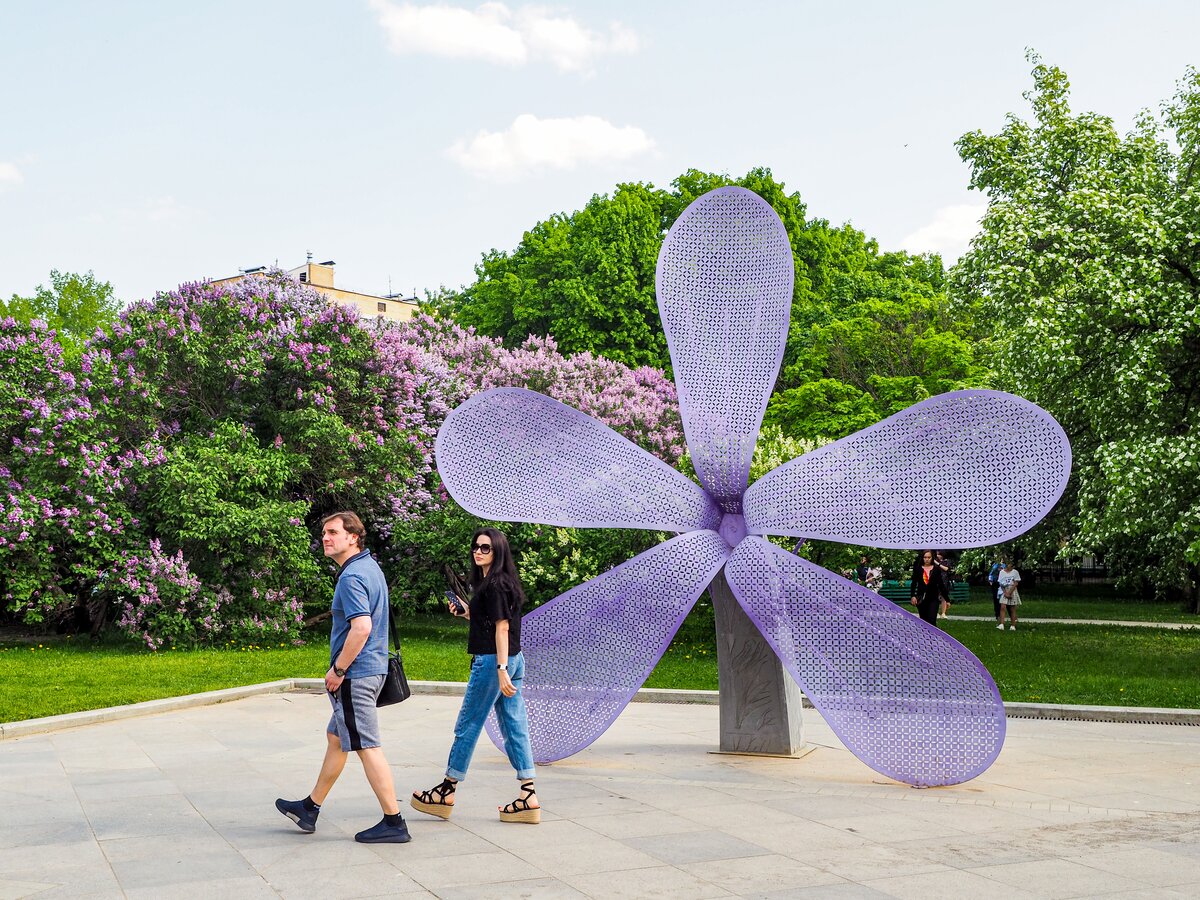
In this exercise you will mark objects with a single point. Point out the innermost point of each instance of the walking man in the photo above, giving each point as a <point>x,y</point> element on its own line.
<point>357,668</point>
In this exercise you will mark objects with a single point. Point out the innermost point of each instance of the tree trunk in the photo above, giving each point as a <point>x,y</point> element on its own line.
<point>1191,596</point>
<point>760,703</point>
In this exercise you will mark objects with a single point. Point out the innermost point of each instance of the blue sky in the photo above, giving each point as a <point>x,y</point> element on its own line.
<point>161,142</point>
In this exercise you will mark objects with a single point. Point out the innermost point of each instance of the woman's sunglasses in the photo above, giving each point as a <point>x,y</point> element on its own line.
<point>481,548</point>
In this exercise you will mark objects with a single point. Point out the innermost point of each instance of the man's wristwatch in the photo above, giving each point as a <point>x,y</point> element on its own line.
<point>340,673</point>
<point>503,666</point>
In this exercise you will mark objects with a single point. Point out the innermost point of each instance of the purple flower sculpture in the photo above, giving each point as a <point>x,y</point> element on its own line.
<point>963,469</point>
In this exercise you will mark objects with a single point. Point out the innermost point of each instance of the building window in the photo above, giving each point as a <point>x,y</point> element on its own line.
<point>304,276</point>
<point>381,306</point>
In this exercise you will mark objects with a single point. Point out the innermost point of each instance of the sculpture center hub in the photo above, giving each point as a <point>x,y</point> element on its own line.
<point>732,529</point>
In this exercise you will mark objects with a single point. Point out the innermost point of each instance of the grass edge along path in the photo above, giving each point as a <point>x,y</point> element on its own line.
<point>1098,665</point>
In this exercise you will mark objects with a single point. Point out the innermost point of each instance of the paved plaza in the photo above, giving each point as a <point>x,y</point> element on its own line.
<point>180,804</point>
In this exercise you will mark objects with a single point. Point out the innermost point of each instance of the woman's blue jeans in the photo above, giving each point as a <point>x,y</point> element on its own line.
<point>482,696</point>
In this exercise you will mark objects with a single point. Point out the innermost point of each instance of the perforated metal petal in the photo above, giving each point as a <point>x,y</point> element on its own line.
<point>724,286</point>
<point>588,651</point>
<point>517,456</point>
<point>905,698</point>
<point>963,469</point>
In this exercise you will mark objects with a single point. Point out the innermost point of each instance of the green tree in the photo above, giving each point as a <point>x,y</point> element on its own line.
<point>222,498</point>
<point>586,279</point>
<point>1088,264</point>
<point>864,325</point>
<point>863,360</point>
<point>74,306</point>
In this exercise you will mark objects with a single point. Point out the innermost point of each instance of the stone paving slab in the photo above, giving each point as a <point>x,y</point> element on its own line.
<point>179,803</point>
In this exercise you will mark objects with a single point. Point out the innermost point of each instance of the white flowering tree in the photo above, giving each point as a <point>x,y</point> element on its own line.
<point>1088,267</point>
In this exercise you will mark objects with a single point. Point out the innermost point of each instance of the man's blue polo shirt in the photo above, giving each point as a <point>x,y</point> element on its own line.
<point>361,591</point>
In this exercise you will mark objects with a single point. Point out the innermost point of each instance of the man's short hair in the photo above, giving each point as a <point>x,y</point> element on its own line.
<point>353,525</point>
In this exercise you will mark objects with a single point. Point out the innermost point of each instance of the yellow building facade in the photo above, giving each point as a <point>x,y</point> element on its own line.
<point>320,277</point>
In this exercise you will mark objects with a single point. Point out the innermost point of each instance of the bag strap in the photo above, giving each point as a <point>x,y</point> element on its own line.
<point>392,625</point>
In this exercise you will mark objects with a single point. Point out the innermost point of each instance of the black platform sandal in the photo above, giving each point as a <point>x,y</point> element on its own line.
<point>520,810</point>
<point>433,801</point>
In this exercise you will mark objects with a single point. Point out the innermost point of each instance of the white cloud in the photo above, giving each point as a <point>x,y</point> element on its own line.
<point>10,175</point>
<point>949,233</point>
<point>531,142</point>
<point>494,33</point>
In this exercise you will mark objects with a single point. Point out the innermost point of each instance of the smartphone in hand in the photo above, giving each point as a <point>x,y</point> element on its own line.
<point>456,604</point>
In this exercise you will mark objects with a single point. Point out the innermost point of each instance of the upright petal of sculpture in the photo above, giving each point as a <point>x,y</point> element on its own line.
<point>907,699</point>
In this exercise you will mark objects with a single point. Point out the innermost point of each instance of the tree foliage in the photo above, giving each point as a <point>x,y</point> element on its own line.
<point>64,468</point>
<point>639,403</point>
<point>74,306</point>
<point>586,279</point>
<point>1088,265</point>
<point>870,331</point>
<point>169,481</point>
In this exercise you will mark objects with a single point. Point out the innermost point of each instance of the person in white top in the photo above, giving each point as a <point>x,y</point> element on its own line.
<point>1010,597</point>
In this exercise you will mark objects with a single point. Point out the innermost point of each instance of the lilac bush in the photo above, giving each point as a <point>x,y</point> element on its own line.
<point>160,602</point>
<point>203,435</point>
<point>273,409</point>
<point>640,403</point>
<point>63,470</point>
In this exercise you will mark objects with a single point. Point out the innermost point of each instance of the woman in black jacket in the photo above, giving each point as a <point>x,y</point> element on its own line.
<point>929,586</point>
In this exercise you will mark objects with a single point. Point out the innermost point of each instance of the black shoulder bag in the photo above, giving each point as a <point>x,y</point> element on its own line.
<point>395,684</point>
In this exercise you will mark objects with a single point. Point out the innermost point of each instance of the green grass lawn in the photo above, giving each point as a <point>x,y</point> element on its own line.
<point>1048,605</point>
<point>1052,663</point>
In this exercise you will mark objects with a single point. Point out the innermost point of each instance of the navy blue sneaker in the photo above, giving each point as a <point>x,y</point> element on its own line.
<point>383,833</point>
<point>305,819</point>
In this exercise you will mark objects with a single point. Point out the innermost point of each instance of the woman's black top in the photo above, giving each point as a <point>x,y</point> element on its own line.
<point>491,604</point>
<point>937,587</point>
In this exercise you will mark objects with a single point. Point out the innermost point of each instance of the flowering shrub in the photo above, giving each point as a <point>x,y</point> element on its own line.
<point>219,497</point>
<point>641,404</point>
<point>62,509</point>
<point>279,615</point>
<point>553,559</point>
<point>273,409</point>
<point>216,425</point>
<point>159,601</point>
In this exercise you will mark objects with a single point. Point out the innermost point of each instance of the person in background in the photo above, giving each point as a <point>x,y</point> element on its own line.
<point>1010,597</point>
<point>942,563</point>
<point>497,670</point>
<point>994,584</point>
<point>875,579</point>
<point>928,586</point>
<point>861,571</point>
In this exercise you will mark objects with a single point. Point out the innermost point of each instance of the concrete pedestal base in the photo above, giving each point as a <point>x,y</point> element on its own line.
<point>760,703</point>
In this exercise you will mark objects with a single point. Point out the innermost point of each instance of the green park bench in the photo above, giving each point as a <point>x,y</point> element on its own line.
<point>960,591</point>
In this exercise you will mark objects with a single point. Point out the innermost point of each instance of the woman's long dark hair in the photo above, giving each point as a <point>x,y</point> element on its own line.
<point>920,561</point>
<point>503,570</point>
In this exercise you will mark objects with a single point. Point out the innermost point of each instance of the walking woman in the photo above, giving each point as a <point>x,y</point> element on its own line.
<point>929,587</point>
<point>497,669</point>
